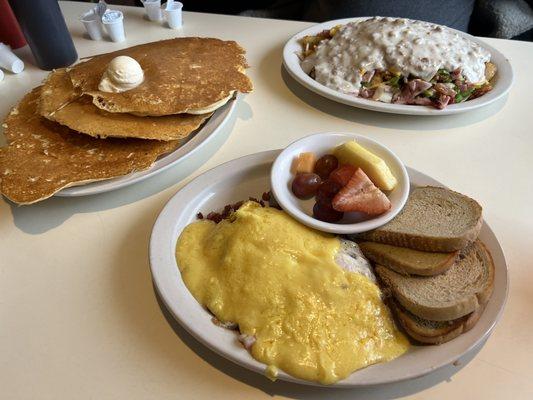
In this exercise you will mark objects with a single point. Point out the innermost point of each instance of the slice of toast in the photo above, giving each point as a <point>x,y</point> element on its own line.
<point>408,261</point>
<point>434,219</point>
<point>433,332</point>
<point>451,295</point>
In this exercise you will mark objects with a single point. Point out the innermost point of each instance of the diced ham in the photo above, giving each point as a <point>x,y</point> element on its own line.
<point>456,73</point>
<point>423,101</point>
<point>462,86</point>
<point>444,89</point>
<point>417,86</point>
<point>403,97</point>
<point>366,93</point>
<point>247,341</point>
<point>410,90</point>
<point>442,101</point>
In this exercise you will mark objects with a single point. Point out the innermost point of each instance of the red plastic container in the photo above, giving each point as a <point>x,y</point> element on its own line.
<point>10,32</point>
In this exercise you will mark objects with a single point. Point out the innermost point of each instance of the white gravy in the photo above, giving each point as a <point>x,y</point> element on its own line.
<point>410,47</point>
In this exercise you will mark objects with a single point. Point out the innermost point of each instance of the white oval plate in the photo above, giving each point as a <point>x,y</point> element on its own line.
<point>199,141</point>
<point>321,143</point>
<point>502,83</point>
<point>250,176</point>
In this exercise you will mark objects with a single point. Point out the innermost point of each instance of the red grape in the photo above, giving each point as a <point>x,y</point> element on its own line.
<point>325,165</point>
<point>304,186</point>
<point>326,192</point>
<point>326,213</point>
<point>342,174</point>
<point>328,189</point>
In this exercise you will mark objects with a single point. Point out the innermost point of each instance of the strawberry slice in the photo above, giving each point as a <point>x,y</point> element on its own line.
<point>360,194</point>
<point>342,174</point>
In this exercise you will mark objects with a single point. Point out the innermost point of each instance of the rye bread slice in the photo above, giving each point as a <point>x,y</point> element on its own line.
<point>433,219</point>
<point>451,295</point>
<point>433,332</point>
<point>408,261</point>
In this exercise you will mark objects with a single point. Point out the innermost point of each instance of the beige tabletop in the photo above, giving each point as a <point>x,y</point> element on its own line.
<point>78,315</point>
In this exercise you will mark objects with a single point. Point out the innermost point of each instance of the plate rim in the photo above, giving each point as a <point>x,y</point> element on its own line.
<point>108,185</point>
<point>501,88</point>
<point>249,161</point>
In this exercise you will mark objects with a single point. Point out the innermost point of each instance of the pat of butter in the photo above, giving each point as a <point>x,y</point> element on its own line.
<point>123,73</point>
<point>377,170</point>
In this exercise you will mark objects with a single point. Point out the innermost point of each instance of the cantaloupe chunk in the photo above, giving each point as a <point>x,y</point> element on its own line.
<point>377,170</point>
<point>304,163</point>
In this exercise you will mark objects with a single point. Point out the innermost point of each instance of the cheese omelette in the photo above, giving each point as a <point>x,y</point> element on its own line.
<point>279,282</point>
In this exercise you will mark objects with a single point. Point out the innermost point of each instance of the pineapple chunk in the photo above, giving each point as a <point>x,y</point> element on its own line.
<point>305,162</point>
<point>377,170</point>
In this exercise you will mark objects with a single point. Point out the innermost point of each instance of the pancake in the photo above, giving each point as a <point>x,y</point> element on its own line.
<point>61,103</point>
<point>56,93</point>
<point>180,74</point>
<point>43,157</point>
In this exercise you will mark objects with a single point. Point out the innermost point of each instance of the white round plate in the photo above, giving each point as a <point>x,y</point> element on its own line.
<point>250,176</point>
<point>203,140</point>
<point>291,61</point>
<point>322,143</point>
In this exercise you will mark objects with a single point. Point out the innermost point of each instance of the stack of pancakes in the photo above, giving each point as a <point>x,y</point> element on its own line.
<point>67,132</point>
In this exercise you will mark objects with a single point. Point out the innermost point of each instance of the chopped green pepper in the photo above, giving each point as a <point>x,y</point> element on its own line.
<point>394,81</point>
<point>462,96</point>
<point>444,76</point>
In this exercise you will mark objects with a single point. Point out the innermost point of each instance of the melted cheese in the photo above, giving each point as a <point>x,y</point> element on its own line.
<point>278,280</point>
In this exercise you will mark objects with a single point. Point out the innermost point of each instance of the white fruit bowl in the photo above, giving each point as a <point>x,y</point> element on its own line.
<point>321,144</point>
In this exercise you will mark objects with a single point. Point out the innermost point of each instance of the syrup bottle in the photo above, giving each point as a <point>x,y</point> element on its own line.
<point>45,30</point>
